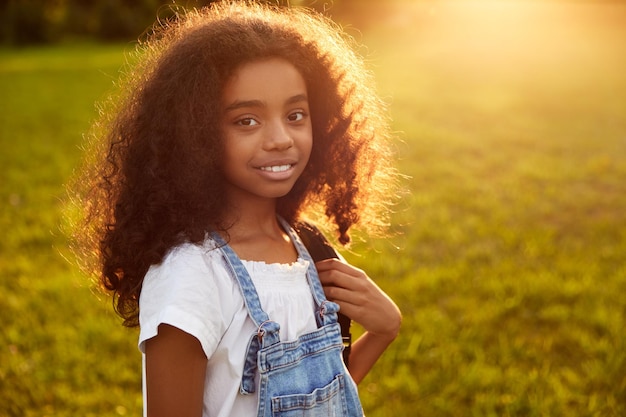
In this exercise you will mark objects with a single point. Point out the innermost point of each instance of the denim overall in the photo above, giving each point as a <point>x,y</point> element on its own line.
<point>305,377</point>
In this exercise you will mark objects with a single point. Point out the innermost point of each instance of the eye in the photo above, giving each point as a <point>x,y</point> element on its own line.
<point>246,121</point>
<point>296,116</point>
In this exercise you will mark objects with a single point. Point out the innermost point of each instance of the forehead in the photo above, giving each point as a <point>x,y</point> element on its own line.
<point>264,80</point>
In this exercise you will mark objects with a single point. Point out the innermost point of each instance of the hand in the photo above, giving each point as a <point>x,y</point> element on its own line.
<point>360,298</point>
<point>364,302</point>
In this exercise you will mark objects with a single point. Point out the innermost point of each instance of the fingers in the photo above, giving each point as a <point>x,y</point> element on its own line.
<point>335,272</point>
<point>344,283</point>
<point>359,297</point>
<point>336,264</point>
<point>344,296</point>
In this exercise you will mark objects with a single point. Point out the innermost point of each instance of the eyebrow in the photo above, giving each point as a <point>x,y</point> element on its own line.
<point>297,99</point>
<point>238,104</point>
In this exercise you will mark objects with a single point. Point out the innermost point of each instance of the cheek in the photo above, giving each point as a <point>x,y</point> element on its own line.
<point>231,155</point>
<point>309,148</point>
<point>307,142</point>
<point>233,145</point>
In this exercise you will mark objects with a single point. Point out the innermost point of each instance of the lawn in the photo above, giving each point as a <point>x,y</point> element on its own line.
<point>507,253</point>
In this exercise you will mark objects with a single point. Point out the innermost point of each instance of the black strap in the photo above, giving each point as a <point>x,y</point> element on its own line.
<point>319,248</point>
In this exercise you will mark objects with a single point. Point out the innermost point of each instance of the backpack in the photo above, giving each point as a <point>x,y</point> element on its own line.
<point>319,248</point>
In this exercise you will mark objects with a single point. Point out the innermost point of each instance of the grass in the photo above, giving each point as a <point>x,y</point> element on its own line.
<point>508,257</point>
<point>511,268</point>
<point>63,351</point>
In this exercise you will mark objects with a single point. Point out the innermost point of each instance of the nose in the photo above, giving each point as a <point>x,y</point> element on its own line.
<point>278,136</point>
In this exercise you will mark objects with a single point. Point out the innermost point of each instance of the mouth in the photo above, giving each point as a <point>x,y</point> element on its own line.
<point>277,168</point>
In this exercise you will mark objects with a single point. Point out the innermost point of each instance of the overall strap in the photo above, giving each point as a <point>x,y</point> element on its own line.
<point>267,330</point>
<point>320,248</point>
<point>240,274</point>
<point>327,310</point>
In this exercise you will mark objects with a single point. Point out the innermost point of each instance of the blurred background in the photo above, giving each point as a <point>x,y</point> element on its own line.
<point>507,253</point>
<point>26,22</point>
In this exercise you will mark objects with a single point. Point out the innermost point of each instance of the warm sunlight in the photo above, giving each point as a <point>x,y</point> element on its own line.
<point>493,56</point>
<point>506,254</point>
<point>511,33</point>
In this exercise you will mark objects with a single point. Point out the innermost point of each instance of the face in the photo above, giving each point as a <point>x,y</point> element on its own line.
<point>267,130</point>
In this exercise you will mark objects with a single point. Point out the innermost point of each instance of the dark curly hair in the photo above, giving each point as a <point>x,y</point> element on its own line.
<point>152,179</point>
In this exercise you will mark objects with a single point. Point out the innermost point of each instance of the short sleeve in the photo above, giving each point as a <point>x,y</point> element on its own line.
<point>182,291</point>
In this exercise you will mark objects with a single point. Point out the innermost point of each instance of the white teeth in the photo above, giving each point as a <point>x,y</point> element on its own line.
<point>277,168</point>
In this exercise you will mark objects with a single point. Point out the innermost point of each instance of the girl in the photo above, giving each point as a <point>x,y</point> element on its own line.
<point>238,121</point>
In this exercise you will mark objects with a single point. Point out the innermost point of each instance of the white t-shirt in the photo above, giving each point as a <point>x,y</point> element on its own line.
<point>193,290</point>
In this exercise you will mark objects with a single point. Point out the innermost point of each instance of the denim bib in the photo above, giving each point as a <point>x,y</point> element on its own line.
<point>305,377</point>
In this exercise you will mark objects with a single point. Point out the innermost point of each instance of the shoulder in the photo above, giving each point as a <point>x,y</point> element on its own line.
<point>186,265</point>
<point>189,255</point>
<point>191,290</point>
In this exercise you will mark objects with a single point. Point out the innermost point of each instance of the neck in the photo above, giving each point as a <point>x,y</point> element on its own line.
<point>253,218</point>
<point>256,235</point>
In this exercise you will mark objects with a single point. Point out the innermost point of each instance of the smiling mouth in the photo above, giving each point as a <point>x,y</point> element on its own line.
<point>277,168</point>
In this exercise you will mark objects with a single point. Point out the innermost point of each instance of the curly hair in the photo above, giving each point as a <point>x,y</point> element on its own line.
<point>154,179</point>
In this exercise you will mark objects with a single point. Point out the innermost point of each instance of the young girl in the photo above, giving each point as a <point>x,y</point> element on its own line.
<point>237,122</point>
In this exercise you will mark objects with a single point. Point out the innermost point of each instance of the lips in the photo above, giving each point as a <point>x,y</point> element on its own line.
<point>276,168</point>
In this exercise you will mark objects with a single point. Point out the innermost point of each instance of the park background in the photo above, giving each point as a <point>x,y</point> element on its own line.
<point>507,253</point>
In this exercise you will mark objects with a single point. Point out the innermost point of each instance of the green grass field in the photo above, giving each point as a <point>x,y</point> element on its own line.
<point>508,253</point>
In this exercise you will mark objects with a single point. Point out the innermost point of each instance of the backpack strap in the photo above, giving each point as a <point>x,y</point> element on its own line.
<point>319,248</point>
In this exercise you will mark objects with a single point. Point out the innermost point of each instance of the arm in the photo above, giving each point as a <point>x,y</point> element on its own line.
<point>175,370</point>
<point>363,301</point>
